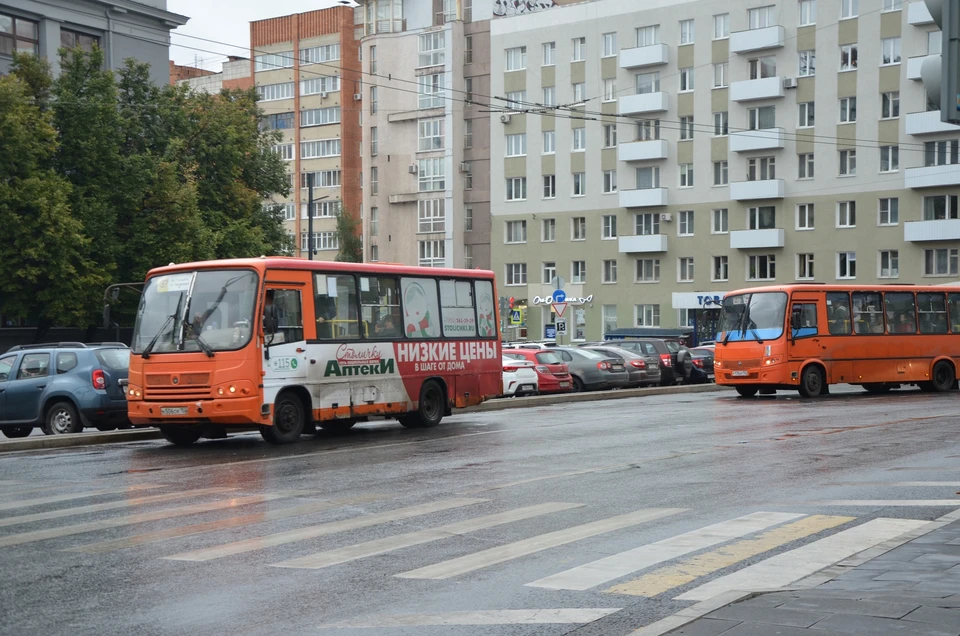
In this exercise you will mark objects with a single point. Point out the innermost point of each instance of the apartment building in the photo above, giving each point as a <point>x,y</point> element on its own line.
<point>235,73</point>
<point>122,28</point>
<point>426,131</point>
<point>703,146</point>
<point>306,68</point>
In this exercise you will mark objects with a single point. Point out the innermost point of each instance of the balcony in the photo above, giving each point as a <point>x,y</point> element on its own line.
<point>919,231</point>
<point>645,103</point>
<point>750,140</point>
<point>644,56</point>
<point>914,64</point>
<point>928,123</point>
<point>753,239</point>
<point>642,150</point>
<point>646,198</point>
<point>932,176</point>
<point>648,244</point>
<point>756,39</point>
<point>918,14</point>
<point>750,190</point>
<point>764,88</point>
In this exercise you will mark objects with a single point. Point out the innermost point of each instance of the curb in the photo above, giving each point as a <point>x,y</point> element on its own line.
<point>502,404</point>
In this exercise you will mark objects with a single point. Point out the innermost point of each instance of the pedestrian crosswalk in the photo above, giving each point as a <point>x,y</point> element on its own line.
<point>758,550</point>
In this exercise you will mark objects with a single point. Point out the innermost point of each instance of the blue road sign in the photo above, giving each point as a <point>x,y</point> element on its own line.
<point>559,296</point>
<point>550,332</point>
<point>515,317</point>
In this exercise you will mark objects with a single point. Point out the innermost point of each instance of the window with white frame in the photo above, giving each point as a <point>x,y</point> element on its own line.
<point>720,221</point>
<point>468,89</point>
<point>647,223</point>
<point>579,92</point>
<point>808,12</point>
<point>761,168</point>
<point>319,85</point>
<point>320,116</point>
<point>516,188</point>
<point>610,44</point>
<point>807,63</point>
<point>516,232</point>
<point>720,124</point>
<point>578,272</point>
<point>648,130</point>
<point>807,112</point>
<point>846,265</point>
<point>374,221</point>
<point>273,92</point>
<point>321,179</point>
<point>328,241</point>
<point>846,213</point>
<point>579,139</point>
<point>468,256</point>
<point>374,141</point>
<point>608,318</point>
<point>431,49</point>
<point>686,175</point>
<point>648,270</point>
<point>762,267</point>
<point>647,315</point>
<point>848,57</point>
<point>430,216</point>
<point>579,184</point>
<point>374,180</point>
<point>579,49</point>
<point>431,174</point>
<point>374,253</point>
<point>515,58</point>
<point>720,73</point>
<point>548,232</point>
<point>548,271</point>
<point>889,158</point>
<point>805,266</point>
<point>373,100</point>
<point>549,95</point>
<point>763,217</point>
<point>890,51</point>
<point>516,273</point>
<point>889,211</point>
<point>549,50</point>
<point>516,100</point>
<point>608,226</point>
<point>430,89</point>
<point>761,17</point>
<point>721,26</point>
<point>685,269</point>
<point>849,8</point>
<point>889,265</point>
<point>517,145</point>
<point>648,35</point>
<point>468,133</point>
<point>468,220</point>
<point>685,226</point>
<point>686,127</point>
<point>805,212</point>
<point>940,262</point>
<point>549,142</point>
<point>941,153</point>
<point>430,134</point>
<point>432,253</point>
<point>609,135</point>
<point>549,186</point>
<point>721,269</point>
<point>720,171</point>
<point>805,166</point>
<point>648,177</point>
<point>284,151</point>
<point>647,83</point>
<point>271,61</point>
<point>328,53</point>
<point>762,118</point>
<point>578,228</point>
<point>892,5</point>
<point>762,67</point>
<point>940,207</point>
<point>890,105</point>
<point>320,148</point>
<point>687,32</point>
<point>848,163</point>
<point>686,79</point>
<point>610,90</point>
<point>610,271</point>
<point>609,181</point>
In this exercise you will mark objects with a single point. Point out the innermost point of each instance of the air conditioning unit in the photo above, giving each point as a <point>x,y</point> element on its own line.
<point>357,97</point>
<point>666,217</point>
<point>412,169</point>
<point>505,119</point>
<point>464,166</point>
<point>323,94</point>
<point>789,82</point>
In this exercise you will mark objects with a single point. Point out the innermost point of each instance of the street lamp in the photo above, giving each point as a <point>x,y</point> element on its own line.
<point>310,201</point>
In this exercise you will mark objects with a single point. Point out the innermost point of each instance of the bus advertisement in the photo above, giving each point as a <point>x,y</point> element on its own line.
<point>285,345</point>
<point>807,337</point>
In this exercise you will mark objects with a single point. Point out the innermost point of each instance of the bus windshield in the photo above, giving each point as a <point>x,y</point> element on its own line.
<point>756,317</point>
<point>207,310</point>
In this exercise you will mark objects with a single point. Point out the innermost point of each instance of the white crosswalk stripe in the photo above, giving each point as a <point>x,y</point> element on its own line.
<point>618,565</point>
<point>39,501</point>
<point>560,616</point>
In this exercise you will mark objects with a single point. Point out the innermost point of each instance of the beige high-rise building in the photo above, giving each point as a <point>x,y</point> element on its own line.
<point>702,146</point>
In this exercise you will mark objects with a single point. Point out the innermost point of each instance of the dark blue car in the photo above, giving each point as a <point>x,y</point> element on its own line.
<point>63,388</point>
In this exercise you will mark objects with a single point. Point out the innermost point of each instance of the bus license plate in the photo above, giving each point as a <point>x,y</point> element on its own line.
<point>740,374</point>
<point>173,410</point>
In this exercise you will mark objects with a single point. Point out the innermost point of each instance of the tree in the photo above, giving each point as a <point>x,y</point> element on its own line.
<point>348,235</point>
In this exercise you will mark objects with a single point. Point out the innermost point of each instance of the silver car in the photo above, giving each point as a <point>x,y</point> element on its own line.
<point>644,370</point>
<point>592,371</point>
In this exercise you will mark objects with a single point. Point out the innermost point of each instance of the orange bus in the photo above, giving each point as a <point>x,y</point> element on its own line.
<point>286,344</point>
<point>807,337</point>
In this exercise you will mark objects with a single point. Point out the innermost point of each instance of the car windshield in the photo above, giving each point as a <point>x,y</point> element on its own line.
<point>215,306</point>
<point>757,316</point>
<point>549,357</point>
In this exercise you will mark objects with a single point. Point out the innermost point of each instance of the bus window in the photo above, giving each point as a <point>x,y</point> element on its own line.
<point>380,306</point>
<point>336,307</point>
<point>838,313</point>
<point>953,304</point>
<point>486,316</point>
<point>421,311</point>
<point>932,310</point>
<point>901,312</point>
<point>867,313</point>
<point>803,320</point>
<point>282,317</point>
<point>459,315</point>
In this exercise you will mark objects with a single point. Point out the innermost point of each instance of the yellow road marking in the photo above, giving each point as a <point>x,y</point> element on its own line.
<point>670,577</point>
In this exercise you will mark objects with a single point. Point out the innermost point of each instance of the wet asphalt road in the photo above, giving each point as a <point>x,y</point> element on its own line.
<point>711,456</point>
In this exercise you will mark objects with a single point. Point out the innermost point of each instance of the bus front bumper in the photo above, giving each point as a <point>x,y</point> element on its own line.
<point>225,412</point>
<point>766,374</point>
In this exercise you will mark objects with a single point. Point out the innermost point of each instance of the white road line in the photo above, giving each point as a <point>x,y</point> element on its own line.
<point>932,484</point>
<point>113,505</point>
<point>26,503</point>
<point>223,524</point>
<point>579,615</point>
<point>787,567</point>
<point>613,567</point>
<point>500,554</point>
<point>143,517</point>
<point>889,502</point>
<point>311,532</point>
<point>389,544</point>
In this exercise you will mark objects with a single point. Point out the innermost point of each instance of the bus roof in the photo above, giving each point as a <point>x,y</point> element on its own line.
<point>288,262</point>
<point>814,287</point>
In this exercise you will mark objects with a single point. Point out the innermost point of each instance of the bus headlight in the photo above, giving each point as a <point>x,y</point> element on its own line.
<point>770,361</point>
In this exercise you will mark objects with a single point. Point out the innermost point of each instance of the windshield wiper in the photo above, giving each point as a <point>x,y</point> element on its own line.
<point>756,335</point>
<point>170,318</point>
<point>206,348</point>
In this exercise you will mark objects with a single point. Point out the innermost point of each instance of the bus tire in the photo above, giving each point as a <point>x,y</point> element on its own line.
<point>747,391</point>
<point>431,407</point>
<point>878,388</point>
<point>181,435</point>
<point>812,382</point>
<point>289,420</point>
<point>943,377</point>
<point>337,426</point>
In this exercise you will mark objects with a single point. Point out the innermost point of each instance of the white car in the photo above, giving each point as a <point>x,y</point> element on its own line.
<point>519,378</point>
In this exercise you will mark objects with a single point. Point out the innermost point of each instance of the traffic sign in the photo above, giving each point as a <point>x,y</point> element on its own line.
<point>515,317</point>
<point>559,308</point>
<point>559,296</point>
<point>550,332</point>
<point>561,327</point>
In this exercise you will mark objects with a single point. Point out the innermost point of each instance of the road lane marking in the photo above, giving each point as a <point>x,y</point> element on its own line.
<point>389,544</point>
<point>212,526</point>
<point>889,502</point>
<point>113,505</point>
<point>311,532</point>
<point>670,577</point>
<point>26,503</point>
<point>932,484</point>
<point>510,551</point>
<point>578,615</point>
<point>143,517</point>
<point>783,569</point>
<point>613,567</point>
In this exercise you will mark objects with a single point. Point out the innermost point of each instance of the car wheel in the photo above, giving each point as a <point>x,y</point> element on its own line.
<point>943,377</point>
<point>13,432</point>
<point>431,407</point>
<point>181,435</point>
<point>62,419</point>
<point>289,420</point>
<point>578,386</point>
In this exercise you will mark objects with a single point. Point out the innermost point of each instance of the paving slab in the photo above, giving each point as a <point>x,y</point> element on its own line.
<point>945,617</point>
<point>770,615</point>
<point>707,627</point>
<point>844,606</point>
<point>872,625</point>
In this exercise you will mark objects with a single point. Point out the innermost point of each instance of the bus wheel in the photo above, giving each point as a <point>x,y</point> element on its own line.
<point>812,382</point>
<point>877,388</point>
<point>747,391</point>
<point>430,411</point>
<point>338,426</point>
<point>943,377</point>
<point>289,420</point>
<point>181,435</point>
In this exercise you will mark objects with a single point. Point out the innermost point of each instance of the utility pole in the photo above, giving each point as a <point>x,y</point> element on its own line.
<point>310,176</point>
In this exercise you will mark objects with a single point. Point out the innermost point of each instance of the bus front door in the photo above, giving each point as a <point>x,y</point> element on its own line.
<point>804,331</point>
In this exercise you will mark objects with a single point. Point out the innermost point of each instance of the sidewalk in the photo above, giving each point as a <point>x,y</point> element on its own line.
<point>914,589</point>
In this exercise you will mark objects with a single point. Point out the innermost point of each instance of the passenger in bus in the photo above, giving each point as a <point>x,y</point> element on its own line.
<point>904,323</point>
<point>269,314</point>
<point>387,327</point>
<point>326,312</point>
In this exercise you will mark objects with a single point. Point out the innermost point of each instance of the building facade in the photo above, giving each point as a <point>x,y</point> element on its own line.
<point>122,28</point>
<point>698,147</point>
<point>236,73</point>
<point>426,131</point>
<point>306,70</point>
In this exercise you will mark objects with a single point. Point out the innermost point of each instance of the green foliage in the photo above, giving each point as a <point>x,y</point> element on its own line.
<point>348,232</point>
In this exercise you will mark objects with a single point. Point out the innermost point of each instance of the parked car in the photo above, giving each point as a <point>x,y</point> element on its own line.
<point>702,358</point>
<point>530,345</point>
<point>592,371</point>
<point>666,350</point>
<point>642,369</point>
<point>63,388</point>
<point>553,374</point>
<point>519,378</point>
